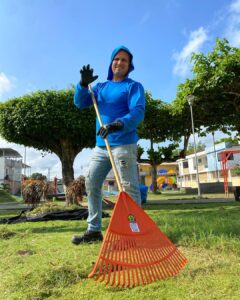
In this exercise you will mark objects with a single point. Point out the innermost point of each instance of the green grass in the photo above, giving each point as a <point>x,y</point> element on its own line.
<point>37,260</point>
<point>177,195</point>
<point>6,197</point>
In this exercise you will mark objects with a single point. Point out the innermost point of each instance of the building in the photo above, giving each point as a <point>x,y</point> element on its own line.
<point>11,169</point>
<point>209,166</point>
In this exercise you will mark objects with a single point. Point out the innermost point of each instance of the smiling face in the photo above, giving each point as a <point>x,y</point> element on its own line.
<point>120,65</point>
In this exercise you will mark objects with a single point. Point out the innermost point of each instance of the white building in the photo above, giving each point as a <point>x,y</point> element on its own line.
<point>209,166</point>
<point>11,169</point>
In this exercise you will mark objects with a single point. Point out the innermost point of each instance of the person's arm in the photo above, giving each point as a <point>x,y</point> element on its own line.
<point>82,97</point>
<point>136,104</point>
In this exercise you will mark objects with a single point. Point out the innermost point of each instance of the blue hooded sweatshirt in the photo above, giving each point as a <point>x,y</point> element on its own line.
<point>117,100</point>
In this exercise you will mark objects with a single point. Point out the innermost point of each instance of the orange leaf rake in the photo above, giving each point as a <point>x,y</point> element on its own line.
<point>134,250</point>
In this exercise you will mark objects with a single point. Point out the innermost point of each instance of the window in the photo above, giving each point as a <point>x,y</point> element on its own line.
<point>185,164</point>
<point>230,156</point>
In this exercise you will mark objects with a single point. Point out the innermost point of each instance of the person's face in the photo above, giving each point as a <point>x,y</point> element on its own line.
<point>120,65</point>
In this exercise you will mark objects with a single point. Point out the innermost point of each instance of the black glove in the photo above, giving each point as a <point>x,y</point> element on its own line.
<point>109,128</point>
<point>87,76</point>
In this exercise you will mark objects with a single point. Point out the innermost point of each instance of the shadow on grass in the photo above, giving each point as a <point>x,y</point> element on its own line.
<point>48,227</point>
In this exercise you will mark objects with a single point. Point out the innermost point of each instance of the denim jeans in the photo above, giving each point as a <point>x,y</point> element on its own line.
<point>125,158</point>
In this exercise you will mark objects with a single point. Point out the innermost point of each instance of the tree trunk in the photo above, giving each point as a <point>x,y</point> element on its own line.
<point>154,178</point>
<point>153,172</point>
<point>67,157</point>
<point>185,144</point>
<point>67,170</point>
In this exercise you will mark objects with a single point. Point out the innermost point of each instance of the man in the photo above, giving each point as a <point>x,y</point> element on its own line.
<point>121,104</point>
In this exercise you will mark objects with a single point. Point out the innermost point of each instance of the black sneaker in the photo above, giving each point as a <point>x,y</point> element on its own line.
<point>87,237</point>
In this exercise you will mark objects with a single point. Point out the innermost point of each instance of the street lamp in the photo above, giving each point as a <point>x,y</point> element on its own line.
<point>190,99</point>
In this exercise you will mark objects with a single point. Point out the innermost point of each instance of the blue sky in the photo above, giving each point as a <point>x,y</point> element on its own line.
<point>44,43</point>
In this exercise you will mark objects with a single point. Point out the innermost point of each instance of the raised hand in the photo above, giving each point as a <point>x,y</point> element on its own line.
<point>87,76</point>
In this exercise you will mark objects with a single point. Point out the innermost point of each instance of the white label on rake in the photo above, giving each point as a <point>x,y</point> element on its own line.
<point>134,227</point>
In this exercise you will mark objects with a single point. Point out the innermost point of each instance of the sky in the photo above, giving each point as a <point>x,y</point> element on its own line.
<point>44,43</point>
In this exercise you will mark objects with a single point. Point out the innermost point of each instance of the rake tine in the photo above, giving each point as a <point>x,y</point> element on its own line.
<point>108,266</point>
<point>100,258</point>
<point>110,257</point>
<point>105,265</point>
<point>116,259</point>
<point>121,258</point>
<point>138,262</point>
<point>152,258</point>
<point>135,259</point>
<point>148,268</point>
<point>127,261</point>
<point>145,266</point>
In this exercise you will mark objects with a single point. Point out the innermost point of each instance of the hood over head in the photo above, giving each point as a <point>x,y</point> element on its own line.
<point>115,51</point>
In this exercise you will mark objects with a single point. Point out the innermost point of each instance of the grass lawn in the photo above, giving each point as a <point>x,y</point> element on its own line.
<point>177,195</point>
<point>37,260</point>
<point>6,197</point>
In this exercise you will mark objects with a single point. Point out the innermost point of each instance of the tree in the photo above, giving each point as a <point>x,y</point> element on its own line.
<point>158,122</point>
<point>158,126</point>
<point>38,176</point>
<point>181,111</point>
<point>49,121</point>
<point>140,152</point>
<point>216,85</point>
<point>233,141</point>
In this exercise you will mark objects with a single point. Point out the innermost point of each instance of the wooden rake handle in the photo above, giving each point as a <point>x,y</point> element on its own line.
<point>120,188</point>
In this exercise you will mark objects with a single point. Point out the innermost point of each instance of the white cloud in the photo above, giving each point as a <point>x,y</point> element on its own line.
<point>235,6</point>
<point>196,39</point>
<point>208,139</point>
<point>5,84</point>
<point>232,32</point>
<point>49,163</point>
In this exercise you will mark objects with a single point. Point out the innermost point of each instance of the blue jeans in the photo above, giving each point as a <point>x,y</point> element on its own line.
<point>125,158</point>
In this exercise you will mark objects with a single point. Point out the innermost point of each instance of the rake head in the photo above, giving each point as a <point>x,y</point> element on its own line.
<point>135,251</point>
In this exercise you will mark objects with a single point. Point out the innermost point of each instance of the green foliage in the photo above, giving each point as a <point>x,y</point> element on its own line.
<point>217,86</point>
<point>162,154</point>
<point>5,187</point>
<point>140,152</point>
<point>233,141</point>
<point>199,147</point>
<point>45,119</point>
<point>236,170</point>
<point>38,176</point>
<point>49,121</point>
<point>181,113</point>
<point>158,124</point>
<point>5,196</point>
